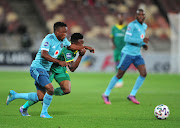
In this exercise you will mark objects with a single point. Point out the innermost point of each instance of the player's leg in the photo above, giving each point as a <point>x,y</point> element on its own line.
<point>122,67</point>
<point>23,109</point>
<point>139,63</point>
<point>65,84</point>
<point>27,96</point>
<point>117,57</point>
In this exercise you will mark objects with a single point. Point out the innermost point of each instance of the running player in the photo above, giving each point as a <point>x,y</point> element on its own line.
<point>117,36</point>
<point>50,48</point>
<point>135,39</point>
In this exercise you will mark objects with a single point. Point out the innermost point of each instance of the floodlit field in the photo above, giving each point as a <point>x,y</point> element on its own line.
<point>84,108</point>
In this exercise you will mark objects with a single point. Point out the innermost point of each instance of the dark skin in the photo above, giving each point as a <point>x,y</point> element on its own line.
<point>66,84</point>
<point>120,18</point>
<point>141,68</point>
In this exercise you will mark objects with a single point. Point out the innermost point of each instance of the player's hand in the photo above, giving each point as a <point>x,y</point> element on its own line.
<point>90,49</point>
<point>146,40</point>
<point>63,63</point>
<point>82,52</point>
<point>145,47</point>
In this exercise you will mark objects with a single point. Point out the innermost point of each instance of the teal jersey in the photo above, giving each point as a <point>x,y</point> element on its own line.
<point>134,38</point>
<point>65,55</point>
<point>51,44</point>
<point>118,33</point>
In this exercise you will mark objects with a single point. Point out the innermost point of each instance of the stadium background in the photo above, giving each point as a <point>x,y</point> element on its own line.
<point>23,25</point>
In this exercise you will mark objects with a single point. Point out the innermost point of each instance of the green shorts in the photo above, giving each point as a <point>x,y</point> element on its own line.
<point>59,77</point>
<point>117,55</point>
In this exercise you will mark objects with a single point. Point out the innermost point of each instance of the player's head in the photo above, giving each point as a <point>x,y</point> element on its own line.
<point>60,30</point>
<point>77,38</point>
<point>140,15</point>
<point>120,17</point>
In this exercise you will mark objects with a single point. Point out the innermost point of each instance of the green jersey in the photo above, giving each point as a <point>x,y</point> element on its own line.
<point>65,55</point>
<point>118,33</point>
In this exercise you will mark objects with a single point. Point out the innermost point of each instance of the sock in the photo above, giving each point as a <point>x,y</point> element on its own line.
<point>120,80</point>
<point>58,92</point>
<point>139,82</point>
<point>46,102</point>
<point>27,96</point>
<point>28,104</point>
<point>110,86</point>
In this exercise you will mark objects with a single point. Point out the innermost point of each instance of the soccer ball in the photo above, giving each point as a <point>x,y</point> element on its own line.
<point>161,112</point>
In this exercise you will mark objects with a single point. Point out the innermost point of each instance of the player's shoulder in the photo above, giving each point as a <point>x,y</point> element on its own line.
<point>145,25</point>
<point>49,37</point>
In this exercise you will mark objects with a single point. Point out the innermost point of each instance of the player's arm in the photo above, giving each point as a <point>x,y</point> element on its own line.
<point>129,35</point>
<point>112,38</point>
<point>73,65</point>
<point>45,55</point>
<point>76,47</point>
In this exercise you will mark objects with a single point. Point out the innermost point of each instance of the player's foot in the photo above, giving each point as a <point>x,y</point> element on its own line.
<point>10,96</point>
<point>106,99</point>
<point>133,99</point>
<point>23,111</point>
<point>45,115</point>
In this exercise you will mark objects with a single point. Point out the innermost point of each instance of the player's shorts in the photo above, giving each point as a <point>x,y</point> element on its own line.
<point>117,55</point>
<point>127,60</point>
<point>41,77</point>
<point>59,76</point>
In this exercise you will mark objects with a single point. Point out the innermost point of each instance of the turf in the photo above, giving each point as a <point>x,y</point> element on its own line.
<point>84,108</point>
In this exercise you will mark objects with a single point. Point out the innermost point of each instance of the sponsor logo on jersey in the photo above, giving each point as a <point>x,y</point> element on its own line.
<point>46,43</point>
<point>68,55</point>
<point>142,36</point>
<point>56,52</point>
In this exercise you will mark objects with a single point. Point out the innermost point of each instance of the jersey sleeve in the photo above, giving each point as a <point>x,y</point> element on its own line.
<point>45,45</point>
<point>112,33</point>
<point>129,35</point>
<point>66,42</point>
<point>68,55</point>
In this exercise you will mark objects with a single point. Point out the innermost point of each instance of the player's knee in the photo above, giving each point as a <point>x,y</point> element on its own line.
<point>50,90</point>
<point>40,98</point>
<point>67,91</point>
<point>144,74</point>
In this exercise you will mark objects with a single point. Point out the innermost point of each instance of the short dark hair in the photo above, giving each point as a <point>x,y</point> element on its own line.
<point>59,24</point>
<point>75,37</point>
<point>140,10</point>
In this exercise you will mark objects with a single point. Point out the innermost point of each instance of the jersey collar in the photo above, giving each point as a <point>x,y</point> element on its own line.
<point>55,37</point>
<point>120,26</point>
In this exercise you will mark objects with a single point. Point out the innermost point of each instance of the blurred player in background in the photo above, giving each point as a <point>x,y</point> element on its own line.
<point>50,48</point>
<point>117,36</point>
<point>135,39</point>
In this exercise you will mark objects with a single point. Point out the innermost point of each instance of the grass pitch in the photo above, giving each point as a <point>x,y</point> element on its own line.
<point>84,108</point>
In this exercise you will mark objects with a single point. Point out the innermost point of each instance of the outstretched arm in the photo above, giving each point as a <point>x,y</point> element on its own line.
<point>76,47</point>
<point>73,65</point>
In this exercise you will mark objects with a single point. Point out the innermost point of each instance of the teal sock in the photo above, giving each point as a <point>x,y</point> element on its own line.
<point>137,85</point>
<point>58,92</point>
<point>28,104</point>
<point>110,86</point>
<point>120,80</point>
<point>27,96</point>
<point>46,102</point>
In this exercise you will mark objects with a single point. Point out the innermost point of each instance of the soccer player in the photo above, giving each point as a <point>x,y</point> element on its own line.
<point>50,48</point>
<point>135,39</point>
<point>117,36</point>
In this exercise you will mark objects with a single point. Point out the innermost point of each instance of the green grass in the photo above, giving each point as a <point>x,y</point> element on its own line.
<point>84,108</point>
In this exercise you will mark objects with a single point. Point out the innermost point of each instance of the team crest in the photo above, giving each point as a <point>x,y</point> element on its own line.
<point>46,43</point>
<point>56,52</point>
<point>68,55</point>
<point>142,36</point>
